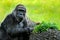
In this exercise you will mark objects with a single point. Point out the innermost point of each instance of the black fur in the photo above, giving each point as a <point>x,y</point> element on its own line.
<point>16,26</point>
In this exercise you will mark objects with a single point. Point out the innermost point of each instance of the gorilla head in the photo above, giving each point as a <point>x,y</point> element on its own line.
<point>19,12</point>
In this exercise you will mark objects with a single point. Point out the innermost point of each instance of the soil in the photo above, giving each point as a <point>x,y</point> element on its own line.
<point>51,34</point>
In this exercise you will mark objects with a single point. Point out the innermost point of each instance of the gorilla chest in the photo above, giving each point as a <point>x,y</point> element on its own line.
<point>15,30</point>
<point>20,25</point>
<point>16,25</point>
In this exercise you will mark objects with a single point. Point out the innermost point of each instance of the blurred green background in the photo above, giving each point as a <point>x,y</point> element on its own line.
<point>37,10</point>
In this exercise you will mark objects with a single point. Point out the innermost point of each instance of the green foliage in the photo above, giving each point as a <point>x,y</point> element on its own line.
<point>44,27</point>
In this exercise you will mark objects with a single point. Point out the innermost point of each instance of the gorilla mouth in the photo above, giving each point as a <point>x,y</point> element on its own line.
<point>19,19</point>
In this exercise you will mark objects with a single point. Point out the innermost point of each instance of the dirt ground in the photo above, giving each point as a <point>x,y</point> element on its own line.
<point>51,34</point>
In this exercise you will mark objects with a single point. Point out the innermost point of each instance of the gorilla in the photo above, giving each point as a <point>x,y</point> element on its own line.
<point>16,25</point>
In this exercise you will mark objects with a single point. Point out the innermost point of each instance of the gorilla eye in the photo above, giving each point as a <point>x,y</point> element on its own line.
<point>21,10</point>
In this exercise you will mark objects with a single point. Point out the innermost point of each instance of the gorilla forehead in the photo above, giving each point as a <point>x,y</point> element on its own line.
<point>21,7</point>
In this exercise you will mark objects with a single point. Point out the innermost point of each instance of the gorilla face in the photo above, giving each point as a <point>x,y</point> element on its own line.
<point>20,12</point>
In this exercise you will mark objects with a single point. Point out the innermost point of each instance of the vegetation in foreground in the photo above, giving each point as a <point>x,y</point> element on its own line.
<point>44,27</point>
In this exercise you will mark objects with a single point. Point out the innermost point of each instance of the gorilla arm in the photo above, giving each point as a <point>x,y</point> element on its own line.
<point>31,23</point>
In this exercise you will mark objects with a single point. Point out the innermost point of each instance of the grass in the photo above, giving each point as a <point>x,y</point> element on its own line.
<point>44,26</point>
<point>37,10</point>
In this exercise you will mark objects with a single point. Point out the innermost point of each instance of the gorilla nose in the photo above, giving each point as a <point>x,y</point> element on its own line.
<point>20,16</point>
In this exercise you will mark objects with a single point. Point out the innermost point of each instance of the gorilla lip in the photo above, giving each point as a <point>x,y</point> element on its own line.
<point>19,19</point>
